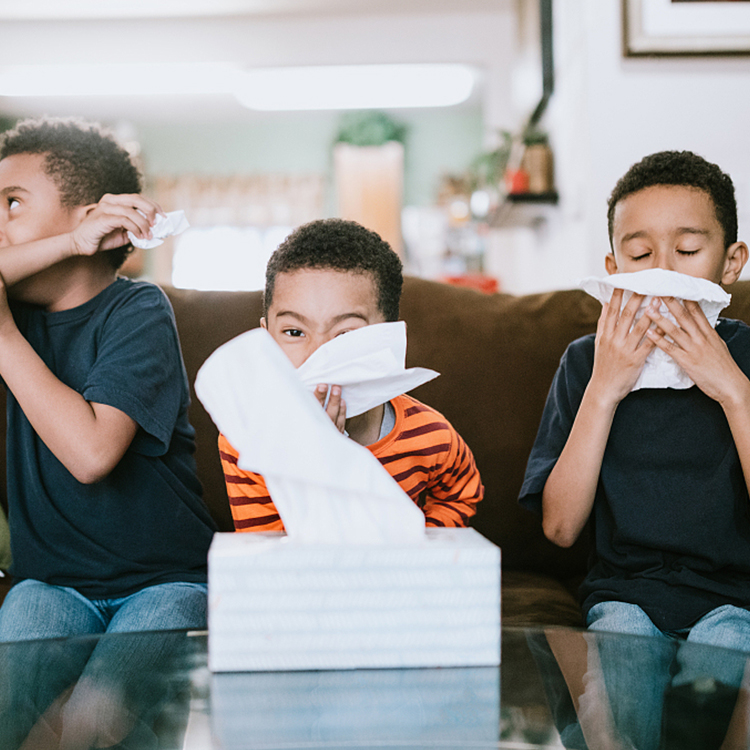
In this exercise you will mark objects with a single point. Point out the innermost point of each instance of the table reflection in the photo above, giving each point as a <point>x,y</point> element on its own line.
<point>414,707</point>
<point>128,690</point>
<point>556,688</point>
<point>612,691</point>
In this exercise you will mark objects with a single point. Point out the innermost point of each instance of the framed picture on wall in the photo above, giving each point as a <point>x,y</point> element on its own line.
<point>686,27</point>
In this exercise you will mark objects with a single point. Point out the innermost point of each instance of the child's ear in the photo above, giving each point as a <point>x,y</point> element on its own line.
<point>79,213</point>
<point>736,257</point>
<point>610,264</point>
<point>263,323</point>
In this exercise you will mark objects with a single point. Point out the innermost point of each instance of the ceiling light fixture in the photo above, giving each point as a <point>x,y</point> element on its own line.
<point>264,89</point>
<point>118,79</point>
<point>355,87</point>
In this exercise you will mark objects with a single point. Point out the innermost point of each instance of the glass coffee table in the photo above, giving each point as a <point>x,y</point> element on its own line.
<point>556,688</point>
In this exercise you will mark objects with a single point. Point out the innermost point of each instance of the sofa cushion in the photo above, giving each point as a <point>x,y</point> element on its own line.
<point>537,599</point>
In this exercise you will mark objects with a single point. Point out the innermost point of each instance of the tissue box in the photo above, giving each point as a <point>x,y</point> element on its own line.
<point>275,605</point>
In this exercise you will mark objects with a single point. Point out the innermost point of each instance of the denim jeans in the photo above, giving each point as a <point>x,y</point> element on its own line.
<point>33,609</point>
<point>121,680</point>
<point>638,672</point>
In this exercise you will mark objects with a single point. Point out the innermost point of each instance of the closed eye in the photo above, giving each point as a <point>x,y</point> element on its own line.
<point>687,252</point>
<point>640,257</point>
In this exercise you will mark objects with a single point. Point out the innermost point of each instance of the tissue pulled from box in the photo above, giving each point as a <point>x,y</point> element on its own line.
<point>660,370</point>
<point>326,487</point>
<point>165,225</point>
<point>369,365</point>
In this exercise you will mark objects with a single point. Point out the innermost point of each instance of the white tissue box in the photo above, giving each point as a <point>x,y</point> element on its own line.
<point>275,605</point>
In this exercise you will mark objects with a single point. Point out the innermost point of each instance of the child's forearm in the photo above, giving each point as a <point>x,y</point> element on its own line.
<point>569,492</point>
<point>737,411</point>
<point>88,439</point>
<point>18,262</point>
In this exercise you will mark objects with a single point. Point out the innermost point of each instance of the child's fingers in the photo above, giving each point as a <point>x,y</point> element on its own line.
<point>331,400</point>
<point>321,391</point>
<point>134,201</point>
<point>336,408</point>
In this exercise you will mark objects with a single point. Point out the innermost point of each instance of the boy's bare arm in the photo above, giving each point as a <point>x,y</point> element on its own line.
<point>88,439</point>
<point>104,226</point>
<point>621,350</point>
<point>701,352</point>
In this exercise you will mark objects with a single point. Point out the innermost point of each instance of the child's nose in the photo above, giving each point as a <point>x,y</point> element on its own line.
<point>665,262</point>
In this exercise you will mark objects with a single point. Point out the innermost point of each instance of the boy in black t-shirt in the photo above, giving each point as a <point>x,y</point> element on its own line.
<point>105,507</point>
<point>657,467</point>
<point>108,530</point>
<point>663,473</point>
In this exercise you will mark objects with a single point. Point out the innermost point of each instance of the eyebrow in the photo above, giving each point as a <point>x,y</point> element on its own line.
<point>337,319</point>
<point>641,233</point>
<point>13,189</point>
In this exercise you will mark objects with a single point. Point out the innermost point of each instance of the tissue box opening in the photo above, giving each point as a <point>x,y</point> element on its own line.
<point>274,605</point>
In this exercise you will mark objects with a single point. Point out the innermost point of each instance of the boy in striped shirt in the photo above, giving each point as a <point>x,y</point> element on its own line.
<point>327,278</point>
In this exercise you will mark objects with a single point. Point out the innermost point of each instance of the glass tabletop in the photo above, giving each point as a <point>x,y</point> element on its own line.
<point>556,688</point>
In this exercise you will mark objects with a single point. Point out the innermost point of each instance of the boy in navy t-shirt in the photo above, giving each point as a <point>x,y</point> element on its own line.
<point>662,472</point>
<point>108,528</point>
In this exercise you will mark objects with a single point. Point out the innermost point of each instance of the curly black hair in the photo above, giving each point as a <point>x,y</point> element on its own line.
<point>683,168</point>
<point>339,245</point>
<point>81,158</point>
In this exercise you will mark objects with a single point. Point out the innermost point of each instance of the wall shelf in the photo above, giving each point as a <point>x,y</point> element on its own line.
<point>523,210</point>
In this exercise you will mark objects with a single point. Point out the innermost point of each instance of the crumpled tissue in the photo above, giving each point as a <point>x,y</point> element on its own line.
<point>369,365</point>
<point>660,370</point>
<point>327,488</point>
<point>166,224</point>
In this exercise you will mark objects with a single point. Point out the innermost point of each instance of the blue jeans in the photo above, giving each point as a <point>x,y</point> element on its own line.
<point>122,680</point>
<point>33,609</point>
<point>638,672</point>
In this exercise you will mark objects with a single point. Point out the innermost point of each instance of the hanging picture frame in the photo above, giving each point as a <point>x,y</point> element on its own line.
<point>686,27</point>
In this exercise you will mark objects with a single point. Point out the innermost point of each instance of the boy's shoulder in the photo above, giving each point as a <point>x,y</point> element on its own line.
<point>129,296</point>
<point>415,419</point>
<point>736,335</point>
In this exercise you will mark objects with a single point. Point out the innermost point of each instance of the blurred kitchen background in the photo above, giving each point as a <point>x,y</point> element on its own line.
<point>485,160</point>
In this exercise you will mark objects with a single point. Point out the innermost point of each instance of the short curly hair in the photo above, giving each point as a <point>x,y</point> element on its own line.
<point>339,245</point>
<point>683,168</point>
<point>83,160</point>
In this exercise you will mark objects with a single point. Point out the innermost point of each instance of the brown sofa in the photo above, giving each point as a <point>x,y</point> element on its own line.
<point>497,354</point>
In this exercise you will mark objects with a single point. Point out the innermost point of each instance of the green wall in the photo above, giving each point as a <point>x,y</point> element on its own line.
<point>438,141</point>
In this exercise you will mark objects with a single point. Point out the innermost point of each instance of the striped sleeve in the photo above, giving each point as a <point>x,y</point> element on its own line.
<point>251,505</point>
<point>432,464</point>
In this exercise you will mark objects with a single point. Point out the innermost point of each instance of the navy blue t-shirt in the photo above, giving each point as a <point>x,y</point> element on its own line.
<point>670,517</point>
<point>145,523</point>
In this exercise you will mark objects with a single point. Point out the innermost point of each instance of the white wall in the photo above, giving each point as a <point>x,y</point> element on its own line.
<point>607,113</point>
<point>484,39</point>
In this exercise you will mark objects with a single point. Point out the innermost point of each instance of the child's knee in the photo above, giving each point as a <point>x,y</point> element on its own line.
<point>620,617</point>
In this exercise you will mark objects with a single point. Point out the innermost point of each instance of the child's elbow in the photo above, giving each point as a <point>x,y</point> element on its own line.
<point>91,471</point>
<point>559,533</point>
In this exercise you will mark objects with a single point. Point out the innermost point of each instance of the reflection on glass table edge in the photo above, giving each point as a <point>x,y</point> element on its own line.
<point>429,708</point>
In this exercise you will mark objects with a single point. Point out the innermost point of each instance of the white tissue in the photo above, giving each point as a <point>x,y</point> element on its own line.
<point>326,487</point>
<point>660,370</point>
<point>368,363</point>
<point>165,225</point>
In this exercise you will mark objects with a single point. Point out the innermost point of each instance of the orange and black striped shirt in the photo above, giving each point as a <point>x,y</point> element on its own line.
<point>423,453</point>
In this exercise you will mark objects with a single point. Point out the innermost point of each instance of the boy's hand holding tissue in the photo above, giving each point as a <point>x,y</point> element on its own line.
<point>107,224</point>
<point>657,330</point>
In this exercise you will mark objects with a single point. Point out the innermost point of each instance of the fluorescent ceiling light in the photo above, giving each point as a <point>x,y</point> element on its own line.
<point>267,89</point>
<point>118,79</point>
<point>356,87</point>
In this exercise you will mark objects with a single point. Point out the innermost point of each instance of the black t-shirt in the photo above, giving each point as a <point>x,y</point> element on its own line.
<point>145,523</point>
<point>670,517</point>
